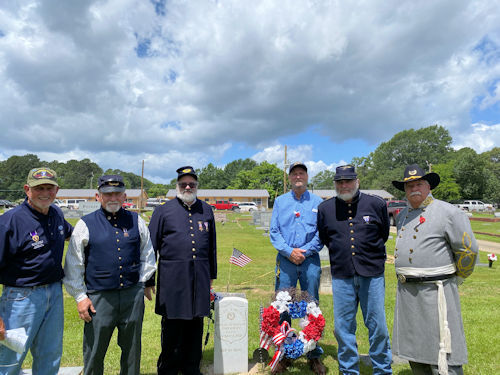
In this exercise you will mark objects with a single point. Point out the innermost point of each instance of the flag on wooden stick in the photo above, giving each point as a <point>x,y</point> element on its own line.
<point>238,258</point>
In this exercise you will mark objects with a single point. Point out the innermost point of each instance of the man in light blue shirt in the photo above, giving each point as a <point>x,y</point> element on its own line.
<point>294,235</point>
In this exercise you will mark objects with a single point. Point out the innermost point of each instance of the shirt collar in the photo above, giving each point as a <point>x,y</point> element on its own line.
<point>427,201</point>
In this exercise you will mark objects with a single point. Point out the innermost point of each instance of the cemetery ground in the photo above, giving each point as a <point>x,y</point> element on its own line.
<point>480,297</point>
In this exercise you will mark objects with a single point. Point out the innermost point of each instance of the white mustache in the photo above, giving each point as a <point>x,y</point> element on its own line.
<point>415,193</point>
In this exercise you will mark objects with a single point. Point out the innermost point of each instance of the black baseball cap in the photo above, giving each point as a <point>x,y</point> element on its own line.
<point>187,170</point>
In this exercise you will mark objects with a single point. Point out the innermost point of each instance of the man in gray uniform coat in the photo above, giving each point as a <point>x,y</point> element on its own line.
<point>435,250</point>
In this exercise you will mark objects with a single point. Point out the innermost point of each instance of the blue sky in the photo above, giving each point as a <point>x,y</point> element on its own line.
<point>194,82</point>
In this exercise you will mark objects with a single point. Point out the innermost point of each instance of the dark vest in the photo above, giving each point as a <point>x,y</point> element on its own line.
<point>112,256</point>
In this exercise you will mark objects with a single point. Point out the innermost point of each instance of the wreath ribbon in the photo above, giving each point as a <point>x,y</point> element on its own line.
<point>278,340</point>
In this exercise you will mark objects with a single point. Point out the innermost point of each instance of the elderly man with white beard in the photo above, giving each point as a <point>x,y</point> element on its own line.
<point>109,258</point>
<point>183,235</point>
<point>355,226</point>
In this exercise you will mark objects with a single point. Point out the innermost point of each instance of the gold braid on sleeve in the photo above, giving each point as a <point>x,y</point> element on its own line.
<point>466,258</point>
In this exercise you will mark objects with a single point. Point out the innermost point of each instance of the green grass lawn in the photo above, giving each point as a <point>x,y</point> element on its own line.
<point>480,296</point>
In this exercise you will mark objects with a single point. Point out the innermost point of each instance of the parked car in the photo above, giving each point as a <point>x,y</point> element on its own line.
<point>128,205</point>
<point>61,204</point>
<point>394,208</point>
<point>248,206</point>
<point>474,205</point>
<point>225,205</point>
<point>4,203</point>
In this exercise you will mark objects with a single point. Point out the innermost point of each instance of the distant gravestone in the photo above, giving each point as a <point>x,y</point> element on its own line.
<point>220,217</point>
<point>256,218</point>
<point>325,282</point>
<point>324,254</point>
<point>231,334</point>
<point>88,207</point>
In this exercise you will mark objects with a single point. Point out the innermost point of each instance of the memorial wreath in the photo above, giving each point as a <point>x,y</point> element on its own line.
<point>290,343</point>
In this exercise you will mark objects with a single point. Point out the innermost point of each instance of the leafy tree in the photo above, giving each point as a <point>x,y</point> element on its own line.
<point>470,173</point>
<point>157,190</point>
<point>448,189</point>
<point>233,168</point>
<point>323,180</point>
<point>14,172</point>
<point>211,177</point>
<point>131,180</point>
<point>263,176</point>
<point>492,189</point>
<point>75,174</point>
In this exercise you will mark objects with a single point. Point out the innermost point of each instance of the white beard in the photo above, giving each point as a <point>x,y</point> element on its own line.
<point>186,197</point>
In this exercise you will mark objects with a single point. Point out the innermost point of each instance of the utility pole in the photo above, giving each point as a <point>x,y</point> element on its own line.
<point>91,178</point>
<point>142,187</point>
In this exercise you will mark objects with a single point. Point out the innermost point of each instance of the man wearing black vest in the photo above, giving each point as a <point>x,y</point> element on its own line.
<point>109,258</point>
<point>183,235</point>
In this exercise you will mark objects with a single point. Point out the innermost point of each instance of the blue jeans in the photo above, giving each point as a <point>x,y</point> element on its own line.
<point>40,311</point>
<point>369,292</point>
<point>308,274</point>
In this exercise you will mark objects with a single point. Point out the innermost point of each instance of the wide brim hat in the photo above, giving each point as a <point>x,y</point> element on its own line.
<point>412,173</point>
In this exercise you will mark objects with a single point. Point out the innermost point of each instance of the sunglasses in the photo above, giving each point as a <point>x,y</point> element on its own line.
<point>184,185</point>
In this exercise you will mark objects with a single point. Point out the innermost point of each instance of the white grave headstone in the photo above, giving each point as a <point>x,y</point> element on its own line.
<point>231,335</point>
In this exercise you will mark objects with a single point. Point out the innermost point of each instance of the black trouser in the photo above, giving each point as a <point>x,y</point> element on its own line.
<point>180,346</point>
<point>122,309</point>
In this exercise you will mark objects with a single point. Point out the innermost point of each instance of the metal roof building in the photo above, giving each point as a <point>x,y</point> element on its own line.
<point>259,196</point>
<point>327,194</point>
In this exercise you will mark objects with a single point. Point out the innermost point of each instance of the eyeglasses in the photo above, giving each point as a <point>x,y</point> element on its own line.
<point>184,185</point>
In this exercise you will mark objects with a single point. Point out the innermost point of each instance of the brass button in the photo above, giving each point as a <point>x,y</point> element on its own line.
<point>350,217</point>
<point>352,231</point>
<point>121,284</point>
<point>190,214</point>
<point>395,256</point>
<point>119,258</point>
<point>192,235</point>
<point>352,238</point>
<point>192,242</point>
<point>121,267</point>
<point>193,249</point>
<point>411,251</point>
<point>190,221</point>
<point>353,253</point>
<point>349,211</point>
<point>409,260</point>
<point>194,256</point>
<point>115,225</point>
<point>351,224</point>
<point>348,205</point>
<point>119,249</point>
<point>414,237</point>
<point>117,240</point>
<point>109,218</point>
<point>121,276</point>
<point>191,228</point>
<point>402,228</point>
<point>116,232</point>
<point>416,229</point>
<point>352,246</point>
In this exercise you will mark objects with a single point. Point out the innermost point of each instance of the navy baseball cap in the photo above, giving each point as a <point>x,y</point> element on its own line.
<point>111,183</point>
<point>345,172</point>
<point>187,170</point>
<point>297,164</point>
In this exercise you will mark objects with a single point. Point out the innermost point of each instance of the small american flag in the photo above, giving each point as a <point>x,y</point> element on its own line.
<point>238,258</point>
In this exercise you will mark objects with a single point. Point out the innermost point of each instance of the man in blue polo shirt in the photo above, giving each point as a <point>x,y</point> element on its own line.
<point>109,258</point>
<point>31,248</point>
<point>355,226</point>
<point>294,235</point>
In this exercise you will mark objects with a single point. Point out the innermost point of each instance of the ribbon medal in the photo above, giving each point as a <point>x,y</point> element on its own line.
<point>34,236</point>
<point>205,223</point>
<point>125,232</point>
<point>366,219</point>
<point>200,226</point>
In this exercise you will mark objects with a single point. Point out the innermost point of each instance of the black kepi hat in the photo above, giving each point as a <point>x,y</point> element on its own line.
<point>111,183</point>
<point>187,170</point>
<point>412,173</point>
<point>297,164</point>
<point>345,172</point>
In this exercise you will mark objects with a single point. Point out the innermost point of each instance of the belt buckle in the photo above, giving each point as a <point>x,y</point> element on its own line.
<point>402,278</point>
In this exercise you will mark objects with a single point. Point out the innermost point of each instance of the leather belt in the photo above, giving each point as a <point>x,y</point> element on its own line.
<point>409,279</point>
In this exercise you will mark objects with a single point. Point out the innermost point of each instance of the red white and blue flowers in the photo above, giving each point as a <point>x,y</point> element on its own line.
<point>290,343</point>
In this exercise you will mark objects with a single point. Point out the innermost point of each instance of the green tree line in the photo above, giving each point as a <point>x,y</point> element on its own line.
<point>464,173</point>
